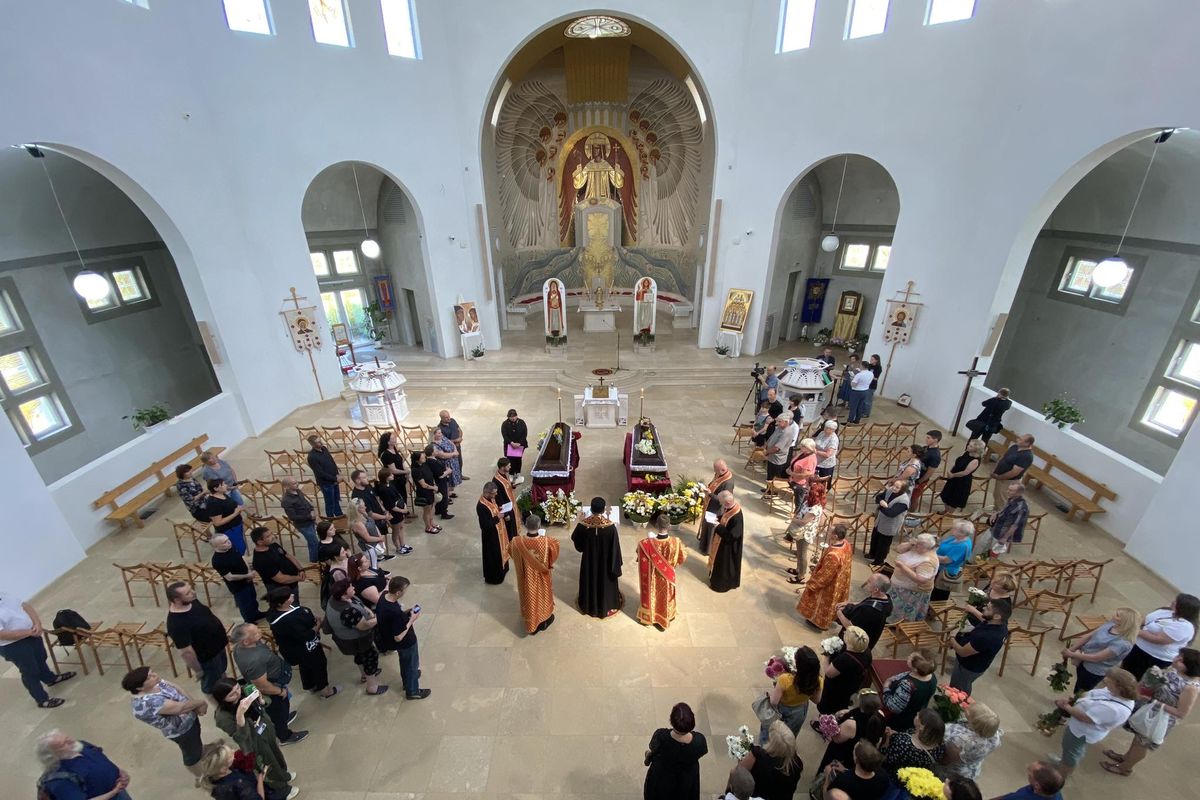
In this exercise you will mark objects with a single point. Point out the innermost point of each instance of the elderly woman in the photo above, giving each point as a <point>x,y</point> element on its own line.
<point>892,506</point>
<point>924,748</point>
<point>775,766</point>
<point>845,671</point>
<point>953,552</point>
<point>956,491</point>
<point>1104,648</point>
<point>1177,694</point>
<point>189,489</point>
<point>803,531</point>
<point>829,583</point>
<point>353,626</point>
<point>972,740</point>
<point>241,715</point>
<point>912,582</point>
<point>445,451</point>
<point>828,444</point>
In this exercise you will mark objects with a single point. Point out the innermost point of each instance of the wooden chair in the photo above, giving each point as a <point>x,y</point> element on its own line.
<point>779,495</point>
<point>415,437</point>
<point>148,574</point>
<point>849,461</point>
<point>303,433</point>
<point>1082,569</point>
<point>170,573</point>
<point>284,462</point>
<point>1040,602</point>
<point>336,438</point>
<point>50,636</point>
<point>742,436</point>
<point>1089,623</point>
<point>1033,525</point>
<point>111,639</point>
<point>1040,571</point>
<point>757,459</point>
<point>153,640</point>
<point>947,614</point>
<point>856,525</point>
<point>205,575</point>
<point>845,494</point>
<point>917,635</point>
<point>286,534</point>
<point>981,491</point>
<point>255,497</point>
<point>192,532</point>
<point>877,434</point>
<point>363,438</point>
<point>1034,638</point>
<point>905,433</point>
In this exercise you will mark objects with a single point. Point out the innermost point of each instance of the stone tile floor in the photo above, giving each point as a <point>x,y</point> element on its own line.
<point>567,713</point>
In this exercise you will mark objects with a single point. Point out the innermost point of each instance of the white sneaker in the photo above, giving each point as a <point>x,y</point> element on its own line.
<point>1054,758</point>
<point>518,480</point>
<point>291,775</point>
<point>295,792</point>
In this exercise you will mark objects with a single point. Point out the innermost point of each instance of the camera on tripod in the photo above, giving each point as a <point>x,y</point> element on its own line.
<point>758,372</point>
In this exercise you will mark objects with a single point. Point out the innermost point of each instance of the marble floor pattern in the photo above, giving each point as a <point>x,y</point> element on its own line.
<point>567,713</point>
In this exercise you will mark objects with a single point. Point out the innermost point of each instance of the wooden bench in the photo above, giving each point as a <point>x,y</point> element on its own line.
<point>162,475</point>
<point>1078,501</point>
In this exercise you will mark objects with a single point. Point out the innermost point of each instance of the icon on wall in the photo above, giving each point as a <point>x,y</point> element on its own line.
<point>466,317</point>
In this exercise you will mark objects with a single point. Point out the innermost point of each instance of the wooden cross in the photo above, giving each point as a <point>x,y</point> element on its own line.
<point>971,375</point>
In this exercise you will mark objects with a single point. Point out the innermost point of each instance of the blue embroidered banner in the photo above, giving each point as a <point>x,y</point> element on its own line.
<point>814,299</point>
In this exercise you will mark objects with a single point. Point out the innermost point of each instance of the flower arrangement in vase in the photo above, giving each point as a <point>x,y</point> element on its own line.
<point>951,703</point>
<point>560,508</point>
<point>638,506</point>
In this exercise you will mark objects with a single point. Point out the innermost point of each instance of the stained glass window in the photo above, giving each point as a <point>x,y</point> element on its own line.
<point>345,262</point>
<point>320,264</point>
<point>43,415</point>
<point>855,256</point>
<point>330,23</point>
<point>8,320</point>
<point>596,27</point>
<point>129,286</point>
<point>1077,280</point>
<point>20,371</point>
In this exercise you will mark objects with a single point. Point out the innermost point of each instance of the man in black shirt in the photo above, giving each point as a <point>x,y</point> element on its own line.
<point>197,633</point>
<point>326,473</point>
<point>396,627</point>
<point>273,564</point>
<point>871,613</point>
<point>225,514</point>
<point>440,471</point>
<point>237,576</point>
<point>774,409</point>
<point>515,434</point>
<point>375,511</point>
<point>298,637</point>
<point>977,648</point>
<point>1011,467</point>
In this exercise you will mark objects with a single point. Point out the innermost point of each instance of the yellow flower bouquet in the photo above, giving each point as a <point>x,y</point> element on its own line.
<point>921,784</point>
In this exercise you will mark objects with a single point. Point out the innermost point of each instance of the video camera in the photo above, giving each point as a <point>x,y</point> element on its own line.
<point>758,372</point>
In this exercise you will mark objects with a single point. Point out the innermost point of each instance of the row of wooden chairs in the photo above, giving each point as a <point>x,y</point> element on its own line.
<point>1065,572</point>
<point>100,641</point>
<point>364,438</point>
<point>893,437</point>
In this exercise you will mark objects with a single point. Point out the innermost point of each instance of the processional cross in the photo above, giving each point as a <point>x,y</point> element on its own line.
<point>971,374</point>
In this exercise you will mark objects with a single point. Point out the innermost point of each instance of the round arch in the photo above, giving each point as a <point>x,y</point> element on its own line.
<point>804,255</point>
<point>399,228</point>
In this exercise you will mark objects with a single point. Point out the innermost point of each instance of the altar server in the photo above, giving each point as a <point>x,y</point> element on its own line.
<point>600,567</point>
<point>533,557</point>
<point>725,557</point>
<point>658,555</point>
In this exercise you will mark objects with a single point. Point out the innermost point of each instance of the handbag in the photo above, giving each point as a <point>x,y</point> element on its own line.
<point>1150,722</point>
<point>763,709</point>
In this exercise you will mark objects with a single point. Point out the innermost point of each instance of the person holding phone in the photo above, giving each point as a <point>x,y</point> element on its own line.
<point>240,714</point>
<point>395,632</point>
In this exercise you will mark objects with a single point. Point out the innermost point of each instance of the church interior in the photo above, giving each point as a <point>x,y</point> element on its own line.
<point>229,224</point>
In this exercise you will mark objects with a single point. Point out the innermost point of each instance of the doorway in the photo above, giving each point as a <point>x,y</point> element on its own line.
<point>349,307</point>
<point>414,319</point>
<point>786,333</point>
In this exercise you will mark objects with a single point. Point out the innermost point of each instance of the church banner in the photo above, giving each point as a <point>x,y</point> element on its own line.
<point>814,299</point>
<point>901,319</point>
<point>302,325</point>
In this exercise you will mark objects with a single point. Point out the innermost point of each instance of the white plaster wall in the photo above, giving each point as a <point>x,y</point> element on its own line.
<point>217,135</point>
<point>1163,539</point>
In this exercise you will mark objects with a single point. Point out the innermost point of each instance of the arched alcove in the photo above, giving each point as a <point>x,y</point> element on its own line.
<point>383,296</point>
<point>1120,352</point>
<point>849,195</point>
<point>75,368</point>
<point>636,96</point>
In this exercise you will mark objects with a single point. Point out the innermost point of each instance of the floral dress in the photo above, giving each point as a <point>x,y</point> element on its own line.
<point>972,749</point>
<point>1168,694</point>
<point>447,446</point>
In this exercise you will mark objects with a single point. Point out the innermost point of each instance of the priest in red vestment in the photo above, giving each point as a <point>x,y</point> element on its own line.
<point>533,557</point>
<point>658,555</point>
<point>600,566</point>
<point>829,583</point>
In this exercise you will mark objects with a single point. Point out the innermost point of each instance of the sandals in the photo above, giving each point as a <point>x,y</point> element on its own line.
<point>796,580</point>
<point>53,702</point>
<point>59,678</point>
<point>434,529</point>
<point>334,693</point>
<point>792,571</point>
<point>1115,769</point>
<point>378,691</point>
<point>1114,756</point>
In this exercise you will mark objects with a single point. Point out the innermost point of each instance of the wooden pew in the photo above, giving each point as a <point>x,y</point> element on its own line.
<point>1085,501</point>
<point>162,476</point>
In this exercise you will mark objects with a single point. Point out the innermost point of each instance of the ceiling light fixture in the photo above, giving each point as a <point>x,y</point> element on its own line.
<point>1112,270</point>
<point>832,242</point>
<point>90,285</point>
<point>369,247</point>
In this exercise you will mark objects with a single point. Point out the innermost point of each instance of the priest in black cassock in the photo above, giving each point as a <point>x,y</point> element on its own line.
<point>722,482</point>
<point>596,538</point>
<point>493,534</point>
<point>725,553</point>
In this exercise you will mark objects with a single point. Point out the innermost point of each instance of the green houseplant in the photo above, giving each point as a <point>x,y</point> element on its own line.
<point>722,349</point>
<point>556,339</point>
<point>143,418</point>
<point>377,321</point>
<point>478,351</point>
<point>1062,411</point>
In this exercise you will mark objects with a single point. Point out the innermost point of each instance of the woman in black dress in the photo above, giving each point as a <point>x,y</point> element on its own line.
<point>776,768</point>
<point>368,583</point>
<point>957,489</point>
<point>864,722</point>
<point>845,671</point>
<point>674,758</point>
<point>389,488</point>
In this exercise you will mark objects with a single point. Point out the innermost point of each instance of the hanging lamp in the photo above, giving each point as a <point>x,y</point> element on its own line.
<point>831,241</point>
<point>369,247</point>
<point>1112,270</point>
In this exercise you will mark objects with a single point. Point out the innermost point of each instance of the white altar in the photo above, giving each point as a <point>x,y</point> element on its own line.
<point>600,318</point>
<point>380,390</point>
<point>805,379</point>
<point>608,411</point>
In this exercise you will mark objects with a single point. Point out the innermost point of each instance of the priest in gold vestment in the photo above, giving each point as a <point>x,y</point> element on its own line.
<point>533,557</point>
<point>658,555</point>
<point>829,582</point>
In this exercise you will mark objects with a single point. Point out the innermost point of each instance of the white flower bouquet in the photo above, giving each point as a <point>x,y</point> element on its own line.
<point>740,744</point>
<point>560,508</point>
<point>639,506</point>
<point>833,644</point>
<point>645,447</point>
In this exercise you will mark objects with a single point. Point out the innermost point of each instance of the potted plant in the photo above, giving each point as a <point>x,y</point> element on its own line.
<point>477,351</point>
<point>643,338</point>
<point>378,322</point>
<point>1062,412</point>
<point>822,336</point>
<point>144,419</point>
<point>723,350</point>
<point>556,339</point>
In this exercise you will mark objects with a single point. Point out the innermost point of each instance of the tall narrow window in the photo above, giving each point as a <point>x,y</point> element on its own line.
<point>867,18</point>
<point>128,291</point>
<point>399,29</point>
<point>795,24</point>
<point>949,11</point>
<point>30,392</point>
<point>249,16</point>
<point>330,22</point>
<point>138,3</point>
